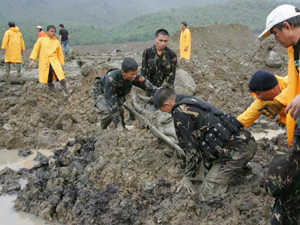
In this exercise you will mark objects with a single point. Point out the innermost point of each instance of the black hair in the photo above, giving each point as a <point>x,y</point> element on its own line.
<point>61,25</point>
<point>162,95</point>
<point>294,21</point>
<point>184,24</point>
<point>129,64</point>
<point>162,32</point>
<point>11,24</point>
<point>51,27</point>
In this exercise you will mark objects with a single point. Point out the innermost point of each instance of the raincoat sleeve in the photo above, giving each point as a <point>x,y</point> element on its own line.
<point>5,40</point>
<point>60,55</point>
<point>144,84</point>
<point>188,39</point>
<point>22,43</point>
<point>36,49</point>
<point>111,99</point>
<point>185,131</point>
<point>145,72</point>
<point>251,114</point>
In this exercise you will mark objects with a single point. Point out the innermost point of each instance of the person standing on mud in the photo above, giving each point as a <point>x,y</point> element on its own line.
<point>282,180</point>
<point>206,133</point>
<point>64,38</point>
<point>159,62</point>
<point>185,43</point>
<point>269,92</point>
<point>41,32</point>
<point>51,60</point>
<point>13,46</point>
<point>110,90</point>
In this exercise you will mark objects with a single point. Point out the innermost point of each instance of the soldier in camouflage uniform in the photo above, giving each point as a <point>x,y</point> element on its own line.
<point>159,62</point>
<point>110,90</point>
<point>283,183</point>
<point>207,134</point>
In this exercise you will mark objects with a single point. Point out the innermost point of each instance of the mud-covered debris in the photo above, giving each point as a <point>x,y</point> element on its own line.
<point>24,152</point>
<point>41,158</point>
<point>274,60</point>
<point>9,180</point>
<point>87,68</point>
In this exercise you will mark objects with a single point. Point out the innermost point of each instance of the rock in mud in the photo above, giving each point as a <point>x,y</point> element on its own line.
<point>9,180</point>
<point>184,83</point>
<point>274,60</point>
<point>87,69</point>
<point>24,152</point>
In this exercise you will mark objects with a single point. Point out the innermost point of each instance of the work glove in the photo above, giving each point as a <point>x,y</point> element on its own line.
<point>120,127</point>
<point>271,109</point>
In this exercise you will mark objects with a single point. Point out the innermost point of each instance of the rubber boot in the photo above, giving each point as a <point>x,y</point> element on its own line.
<point>51,87</point>
<point>19,69</point>
<point>64,88</point>
<point>7,68</point>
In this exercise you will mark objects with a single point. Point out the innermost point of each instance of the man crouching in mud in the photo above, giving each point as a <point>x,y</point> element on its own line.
<point>283,183</point>
<point>110,90</point>
<point>205,132</point>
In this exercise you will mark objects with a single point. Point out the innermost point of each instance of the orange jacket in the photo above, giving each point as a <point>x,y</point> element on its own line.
<point>293,89</point>
<point>252,113</point>
<point>41,34</point>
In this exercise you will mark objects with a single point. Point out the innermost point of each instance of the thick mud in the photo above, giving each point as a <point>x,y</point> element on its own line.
<point>97,177</point>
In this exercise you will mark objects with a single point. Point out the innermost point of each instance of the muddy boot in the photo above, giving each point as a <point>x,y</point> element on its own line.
<point>19,69</point>
<point>64,88</point>
<point>51,88</point>
<point>7,69</point>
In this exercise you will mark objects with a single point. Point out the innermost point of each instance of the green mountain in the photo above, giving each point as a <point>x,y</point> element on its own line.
<point>116,21</point>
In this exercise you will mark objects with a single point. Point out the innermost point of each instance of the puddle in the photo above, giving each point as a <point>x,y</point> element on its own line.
<point>268,133</point>
<point>10,158</point>
<point>8,215</point>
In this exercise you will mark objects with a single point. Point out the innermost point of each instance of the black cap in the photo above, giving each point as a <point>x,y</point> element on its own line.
<point>262,81</point>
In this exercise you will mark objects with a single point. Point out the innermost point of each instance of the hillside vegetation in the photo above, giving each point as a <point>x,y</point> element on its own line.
<point>100,22</point>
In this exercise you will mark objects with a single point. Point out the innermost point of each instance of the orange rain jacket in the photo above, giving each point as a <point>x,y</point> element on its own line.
<point>50,52</point>
<point>252,113</point>
<point>14,44</point>
<point>185,41</point>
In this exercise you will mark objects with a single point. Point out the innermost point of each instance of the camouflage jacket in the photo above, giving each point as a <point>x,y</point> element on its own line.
<point>191,124</point>
<point>159,69</point>
<point>115,89</point>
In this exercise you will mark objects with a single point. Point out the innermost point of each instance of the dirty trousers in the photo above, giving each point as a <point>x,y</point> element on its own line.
<point>237,153</point>
<point>283,183</point>
<point>101,108</point>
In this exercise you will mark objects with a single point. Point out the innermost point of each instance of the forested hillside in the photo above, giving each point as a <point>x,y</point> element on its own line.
<point>104,22</point>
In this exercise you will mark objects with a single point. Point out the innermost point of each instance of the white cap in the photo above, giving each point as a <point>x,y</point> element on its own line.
<point>278,15</point>
<point>38,27</point>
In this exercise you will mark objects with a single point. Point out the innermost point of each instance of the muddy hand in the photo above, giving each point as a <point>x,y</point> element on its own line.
<point>293,107</point>
<point>185,183</point>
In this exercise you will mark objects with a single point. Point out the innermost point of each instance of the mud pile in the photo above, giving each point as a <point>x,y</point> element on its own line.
<point>131,178</point>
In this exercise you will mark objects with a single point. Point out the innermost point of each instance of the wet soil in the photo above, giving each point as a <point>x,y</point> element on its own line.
<point>97,177</point>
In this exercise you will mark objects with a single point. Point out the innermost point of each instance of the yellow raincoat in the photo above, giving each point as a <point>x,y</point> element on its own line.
<point>293,89</point>
<point>252,113</point>
<point>14,44</point>
<point>185,41</point>
<point>51,52</point>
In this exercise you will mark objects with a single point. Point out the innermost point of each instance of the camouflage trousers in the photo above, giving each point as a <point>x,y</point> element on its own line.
<point>237,153</point>
<point>283,183</point>
<point>105,117</point>
<point>101,107</point>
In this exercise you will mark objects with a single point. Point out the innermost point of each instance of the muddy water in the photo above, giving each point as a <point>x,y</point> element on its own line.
<point>268,133</point>
<point>8,215</point>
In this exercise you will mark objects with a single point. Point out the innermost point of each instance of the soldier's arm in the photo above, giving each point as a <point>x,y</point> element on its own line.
<point>111,99</point>
<point>170,78</point>
<point>185,131</point>
<point>145,65</point>
<point>144,84</point>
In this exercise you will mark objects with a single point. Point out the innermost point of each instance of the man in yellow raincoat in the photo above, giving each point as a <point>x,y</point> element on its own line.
<point>270,98</point>
<point>13,45</point>
<point>185,42</point>
<point>51,60</point>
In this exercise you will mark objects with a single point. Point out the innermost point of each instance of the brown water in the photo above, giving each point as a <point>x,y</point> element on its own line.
<point>8,215</point>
